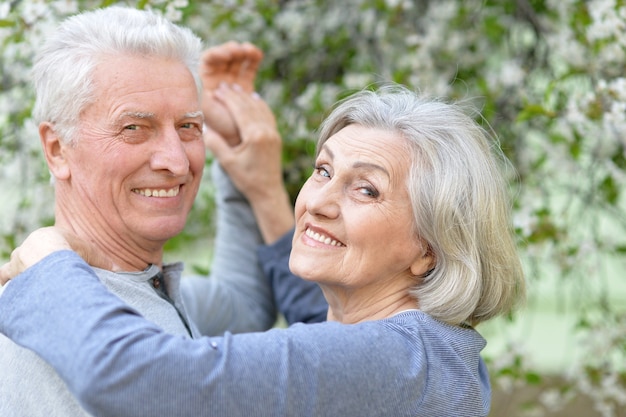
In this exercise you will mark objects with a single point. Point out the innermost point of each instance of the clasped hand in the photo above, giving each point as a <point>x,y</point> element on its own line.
<point>43,242</point>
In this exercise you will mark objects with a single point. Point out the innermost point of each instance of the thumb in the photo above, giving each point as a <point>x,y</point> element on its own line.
<point>7,271</point>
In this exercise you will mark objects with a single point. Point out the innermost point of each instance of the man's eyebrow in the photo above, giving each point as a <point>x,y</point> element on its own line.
<point>138,115</point>
<point>149,115</point>
<point>194,114</point>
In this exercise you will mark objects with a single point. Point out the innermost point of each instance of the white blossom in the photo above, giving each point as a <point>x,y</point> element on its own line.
<point>5,9</point>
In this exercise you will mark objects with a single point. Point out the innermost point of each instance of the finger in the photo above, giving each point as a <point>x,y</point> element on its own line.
<point>249,111</point>
<point>220,64</point>
<point>6,273</point>
<point>232,63</point>
<point>215,64</point>
<point>237,59</point>
<point>250,66</point>
<point>12,268</point>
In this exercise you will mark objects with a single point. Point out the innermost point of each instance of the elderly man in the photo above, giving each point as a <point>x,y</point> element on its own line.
<point>121,126</point>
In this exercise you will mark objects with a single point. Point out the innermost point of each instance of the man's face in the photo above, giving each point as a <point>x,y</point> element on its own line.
<point>139,155</point>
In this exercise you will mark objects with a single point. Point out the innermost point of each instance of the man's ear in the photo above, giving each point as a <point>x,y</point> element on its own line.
<point>54,150</point>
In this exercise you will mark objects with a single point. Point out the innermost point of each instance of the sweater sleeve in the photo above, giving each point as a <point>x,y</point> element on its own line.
<point>118,364</point>
<point>236,296</point>
<point>298,300</point>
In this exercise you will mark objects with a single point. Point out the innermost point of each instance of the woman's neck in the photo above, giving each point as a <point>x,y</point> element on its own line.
<point>356,307</point>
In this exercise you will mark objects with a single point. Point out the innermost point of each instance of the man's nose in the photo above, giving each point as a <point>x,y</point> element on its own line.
<point>170,154</point>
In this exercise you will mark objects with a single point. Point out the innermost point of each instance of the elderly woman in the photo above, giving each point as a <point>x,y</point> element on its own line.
<point>404,224</point>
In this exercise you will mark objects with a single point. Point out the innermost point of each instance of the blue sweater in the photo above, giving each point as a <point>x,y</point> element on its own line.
<point>119,364</point>
<point>237,297</point>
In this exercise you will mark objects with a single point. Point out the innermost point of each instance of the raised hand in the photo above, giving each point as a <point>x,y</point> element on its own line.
<point>230,63</point>
<point>243,136</point>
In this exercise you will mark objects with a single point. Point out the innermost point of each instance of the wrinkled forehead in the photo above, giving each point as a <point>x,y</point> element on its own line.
<point>360,146</point>
<point>139,78</point>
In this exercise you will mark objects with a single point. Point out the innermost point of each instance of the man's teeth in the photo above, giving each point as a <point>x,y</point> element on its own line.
<point>172,192</point>
<point>321,238</point>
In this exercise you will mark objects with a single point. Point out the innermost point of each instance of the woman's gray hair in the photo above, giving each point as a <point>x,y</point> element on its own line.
<point>460,200</point>
<point>63,69</point>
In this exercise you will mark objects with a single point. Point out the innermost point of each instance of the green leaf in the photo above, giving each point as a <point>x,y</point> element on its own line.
<point>609,190</point>
<point>533,110</point>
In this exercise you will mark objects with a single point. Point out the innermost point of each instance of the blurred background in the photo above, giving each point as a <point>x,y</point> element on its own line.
<point>549,79</point>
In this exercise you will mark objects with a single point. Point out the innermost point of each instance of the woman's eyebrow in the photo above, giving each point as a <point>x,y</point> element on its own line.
<point>369,165</point>
<point>358,164</point>
<point>325,148</point>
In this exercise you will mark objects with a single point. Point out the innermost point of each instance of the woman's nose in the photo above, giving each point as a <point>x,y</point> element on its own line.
<point>323,201</point>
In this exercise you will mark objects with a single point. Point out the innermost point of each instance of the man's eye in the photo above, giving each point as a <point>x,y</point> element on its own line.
<point>190,131</point>
<point>131,127</point>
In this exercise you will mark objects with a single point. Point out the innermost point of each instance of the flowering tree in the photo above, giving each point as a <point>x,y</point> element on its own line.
<point>547,75</point>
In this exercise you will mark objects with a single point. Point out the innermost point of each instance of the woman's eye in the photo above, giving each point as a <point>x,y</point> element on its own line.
<point>368,191</point>
<point>322,171</point>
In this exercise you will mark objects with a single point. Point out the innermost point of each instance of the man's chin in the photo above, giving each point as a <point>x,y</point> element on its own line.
<point>161,231</point>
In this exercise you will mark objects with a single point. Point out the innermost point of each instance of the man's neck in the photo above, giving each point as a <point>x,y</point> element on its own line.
<point>104,250</point>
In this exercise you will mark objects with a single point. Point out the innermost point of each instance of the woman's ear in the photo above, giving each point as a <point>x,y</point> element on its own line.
<point>424,263</point>
<point>54,149</point>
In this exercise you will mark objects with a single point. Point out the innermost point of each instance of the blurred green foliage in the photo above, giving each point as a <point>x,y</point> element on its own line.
<point>547,76</point>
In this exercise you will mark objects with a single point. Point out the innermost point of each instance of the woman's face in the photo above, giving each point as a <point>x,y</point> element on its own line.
<point>354,221</point>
